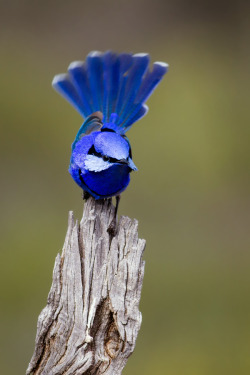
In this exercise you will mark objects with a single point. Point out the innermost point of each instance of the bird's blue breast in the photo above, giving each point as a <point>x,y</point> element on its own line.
<point>107,183</point>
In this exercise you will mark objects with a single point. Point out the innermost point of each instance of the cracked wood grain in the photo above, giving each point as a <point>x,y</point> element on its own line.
<point>92,318</point>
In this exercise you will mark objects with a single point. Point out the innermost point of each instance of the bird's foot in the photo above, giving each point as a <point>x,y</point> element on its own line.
<point>85,195</point>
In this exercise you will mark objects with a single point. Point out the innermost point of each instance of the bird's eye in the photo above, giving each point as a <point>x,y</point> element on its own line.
<point>105,158</point>
<point>92,151</point>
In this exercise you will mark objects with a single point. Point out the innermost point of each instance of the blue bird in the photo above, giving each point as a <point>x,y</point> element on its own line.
<point>109,91</point>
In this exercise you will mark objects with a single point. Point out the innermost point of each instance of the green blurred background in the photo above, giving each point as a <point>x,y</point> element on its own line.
<point>191,194</point>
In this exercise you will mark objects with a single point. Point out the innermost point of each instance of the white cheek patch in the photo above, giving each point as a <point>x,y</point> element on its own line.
<point>95,164</point>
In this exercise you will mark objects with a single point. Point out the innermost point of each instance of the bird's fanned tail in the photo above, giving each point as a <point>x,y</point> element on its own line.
<point>111,83</point>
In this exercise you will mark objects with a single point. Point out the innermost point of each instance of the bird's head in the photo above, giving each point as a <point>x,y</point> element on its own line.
<point>109,148</point>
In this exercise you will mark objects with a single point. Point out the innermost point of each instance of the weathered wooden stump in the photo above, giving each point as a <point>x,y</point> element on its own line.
<point>92,317</point>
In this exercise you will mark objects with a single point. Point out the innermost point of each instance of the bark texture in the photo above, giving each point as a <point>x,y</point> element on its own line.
<point>92,317</point>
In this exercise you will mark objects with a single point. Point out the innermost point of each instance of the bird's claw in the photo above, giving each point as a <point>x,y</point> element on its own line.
<point>85,195</point>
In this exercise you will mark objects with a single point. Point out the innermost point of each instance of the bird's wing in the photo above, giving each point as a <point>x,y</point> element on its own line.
<point>91,124</point>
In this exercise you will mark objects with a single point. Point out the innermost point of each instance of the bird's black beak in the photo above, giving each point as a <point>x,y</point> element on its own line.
<point>129,162</point>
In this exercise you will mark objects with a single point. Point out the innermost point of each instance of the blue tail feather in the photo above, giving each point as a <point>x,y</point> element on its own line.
<point>121,95</point>
<point>77,70</point>
<point>64,86</point>
<point>111,83</point>
<point>115,84</point>
<point>137,115</point>
<point>95,78</point>
<point>135,109</point>
<point>150,81</point>
<point>135,74</point>
<point>126,60</point>
<point>107,81</point>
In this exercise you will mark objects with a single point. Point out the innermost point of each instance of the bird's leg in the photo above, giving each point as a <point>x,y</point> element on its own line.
<point>85,195</point>
<point>112,229</point>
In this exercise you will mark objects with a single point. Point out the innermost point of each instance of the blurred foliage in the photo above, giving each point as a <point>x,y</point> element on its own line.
<point>191,194</point>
